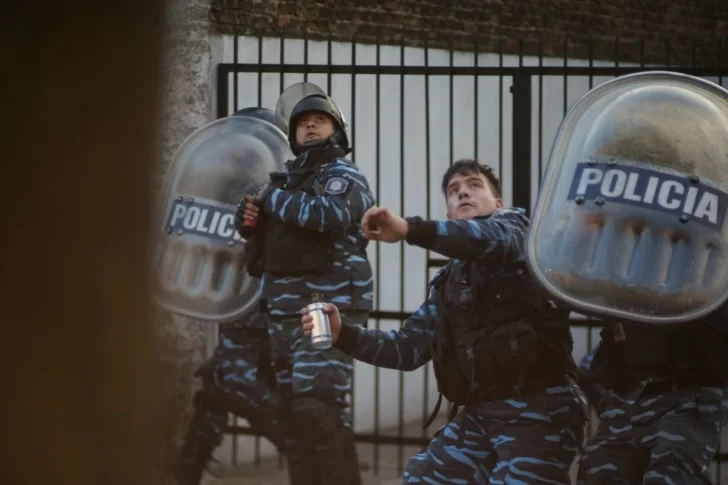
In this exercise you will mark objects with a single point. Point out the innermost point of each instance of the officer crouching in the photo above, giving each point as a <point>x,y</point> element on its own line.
<point>500,348</point>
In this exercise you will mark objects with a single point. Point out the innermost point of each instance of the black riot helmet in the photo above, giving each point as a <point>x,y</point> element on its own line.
<point>318,103</point>
<point>264,114</point>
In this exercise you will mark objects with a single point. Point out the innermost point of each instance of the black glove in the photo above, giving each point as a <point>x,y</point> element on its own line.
<point>259,196</point>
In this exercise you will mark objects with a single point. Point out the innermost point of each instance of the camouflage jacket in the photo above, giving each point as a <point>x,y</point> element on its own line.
<point>494,240</point>
<point>339,208</point>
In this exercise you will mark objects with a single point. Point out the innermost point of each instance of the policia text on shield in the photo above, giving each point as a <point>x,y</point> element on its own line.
<point>499,346</point>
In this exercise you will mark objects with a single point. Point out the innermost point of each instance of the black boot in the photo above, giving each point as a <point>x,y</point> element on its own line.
<point>193,461</point>
<point>204,435</point>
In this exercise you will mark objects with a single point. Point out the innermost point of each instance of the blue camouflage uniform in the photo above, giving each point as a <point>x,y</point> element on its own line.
<point>313,244</point>
<point>663,404</point>
<point>531,435</point>
<point>237,379</point>
<point>343,197</point>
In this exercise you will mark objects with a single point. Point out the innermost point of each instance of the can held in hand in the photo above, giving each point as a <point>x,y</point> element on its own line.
<point>321,332</point>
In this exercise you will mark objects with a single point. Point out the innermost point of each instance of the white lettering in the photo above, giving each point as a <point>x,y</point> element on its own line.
<point>179,211</point>
<point>193,215</point>
<point>631,186</point>
<point>651,190</point>
<point>613,183</point>
<point>664,194</point>
<point>223,230</point>
<point>708,206</point>
<point>203,219</point>
<point>690,200</point>
<point>213,224</point>
<point>590,176</point>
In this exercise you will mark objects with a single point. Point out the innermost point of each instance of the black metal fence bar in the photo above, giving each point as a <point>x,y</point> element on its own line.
<point>505,71</point>
<point>525,80</point>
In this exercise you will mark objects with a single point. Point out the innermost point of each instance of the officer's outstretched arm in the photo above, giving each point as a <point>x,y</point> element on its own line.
<point>346,197</point>
<point>497,238</point>
<point>405,349</point>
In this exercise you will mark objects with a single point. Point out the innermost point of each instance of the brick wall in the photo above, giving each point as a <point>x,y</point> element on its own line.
<point>463,23</point>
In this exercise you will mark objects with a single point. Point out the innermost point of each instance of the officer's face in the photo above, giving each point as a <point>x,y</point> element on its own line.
<point>470,196</point>
<point>314,126</point>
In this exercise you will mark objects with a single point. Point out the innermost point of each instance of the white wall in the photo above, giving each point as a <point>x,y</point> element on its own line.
<point>397,291</point>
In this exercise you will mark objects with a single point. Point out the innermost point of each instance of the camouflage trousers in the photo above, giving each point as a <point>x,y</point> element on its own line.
<point>243,382</point>
<point>667,438</point>
<point>529,440</point>
<point>317,384</point>
<point>303,371</point>
<point>237,379</point>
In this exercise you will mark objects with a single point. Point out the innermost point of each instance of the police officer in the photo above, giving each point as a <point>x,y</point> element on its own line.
<point>237,379</point>
<point>304,234</point>
<point>660,390</point>
<point>663,403</point>
<point>499,347</point>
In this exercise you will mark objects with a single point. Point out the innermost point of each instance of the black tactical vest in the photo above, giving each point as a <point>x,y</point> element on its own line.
<point>499,336</point>
<point>287,250</point>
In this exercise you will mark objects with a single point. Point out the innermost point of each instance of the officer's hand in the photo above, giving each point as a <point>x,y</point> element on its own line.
<point>379,224</point>
<point>250,210</point>
<point>240,215</point>
<point>245,219</point>
<point>334,321</point>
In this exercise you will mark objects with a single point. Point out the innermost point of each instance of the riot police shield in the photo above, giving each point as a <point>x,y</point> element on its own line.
<point>198,263</point>
<point>630,223</point>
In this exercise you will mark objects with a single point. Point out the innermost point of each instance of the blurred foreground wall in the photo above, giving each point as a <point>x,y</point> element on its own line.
<point>80,375</point>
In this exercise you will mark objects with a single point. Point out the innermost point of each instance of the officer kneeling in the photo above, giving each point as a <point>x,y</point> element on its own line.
<point>499,346</point>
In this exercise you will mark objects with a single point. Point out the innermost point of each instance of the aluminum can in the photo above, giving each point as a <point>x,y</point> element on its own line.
<point>321,332</point>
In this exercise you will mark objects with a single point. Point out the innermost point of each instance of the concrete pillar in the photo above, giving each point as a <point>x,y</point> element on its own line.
<point>186,107</point>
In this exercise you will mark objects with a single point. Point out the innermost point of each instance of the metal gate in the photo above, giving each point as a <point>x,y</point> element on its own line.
<point>525,87</point>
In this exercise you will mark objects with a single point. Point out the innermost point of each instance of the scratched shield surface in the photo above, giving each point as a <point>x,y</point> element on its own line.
<point>198,261</point>
<point>630,222</point>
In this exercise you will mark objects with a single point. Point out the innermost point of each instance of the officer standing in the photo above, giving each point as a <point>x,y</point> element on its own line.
<point>238,379</point>
<point>304,234</point>
<point>499,346</point>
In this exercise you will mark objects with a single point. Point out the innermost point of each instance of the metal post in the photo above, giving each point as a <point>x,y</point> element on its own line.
<point>521,91</point>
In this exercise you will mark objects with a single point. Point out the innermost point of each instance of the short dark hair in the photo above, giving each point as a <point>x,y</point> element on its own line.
<point>470,166</point>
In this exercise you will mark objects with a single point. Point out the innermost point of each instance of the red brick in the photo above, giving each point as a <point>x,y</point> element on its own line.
<point>463,22</point>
